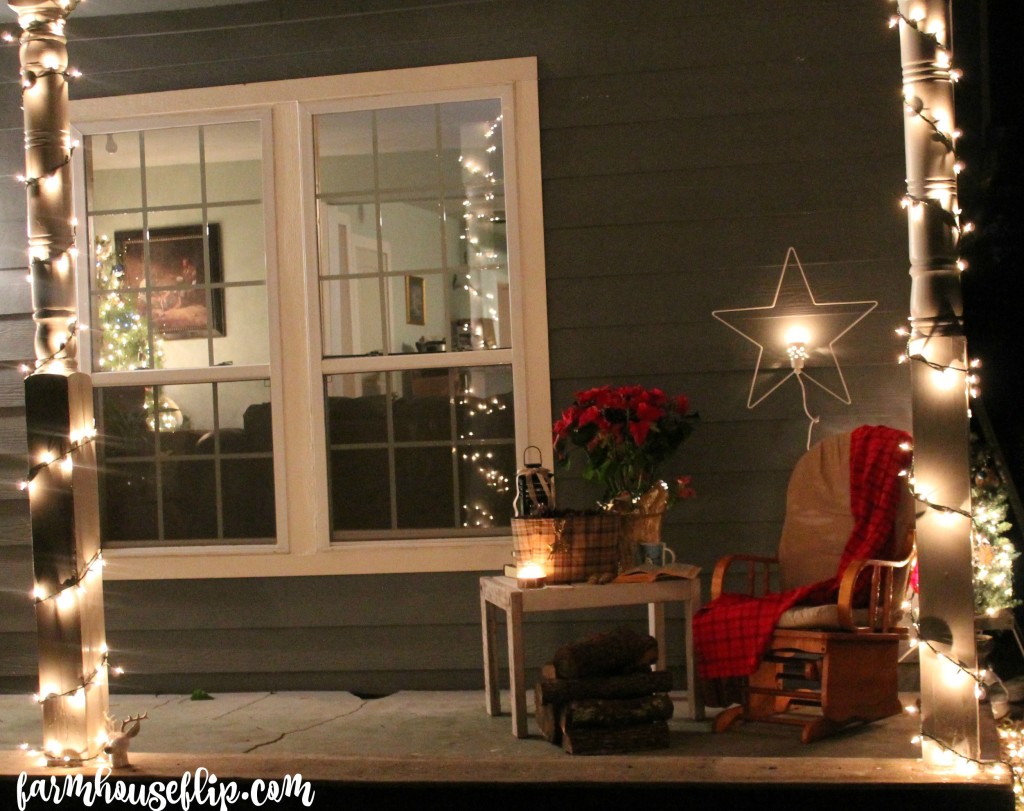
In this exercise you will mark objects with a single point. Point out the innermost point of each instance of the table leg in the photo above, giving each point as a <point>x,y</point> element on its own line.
<point>656,628</point>
<point>488,616</point>
<point>690,607</point>
<point>516,664</point>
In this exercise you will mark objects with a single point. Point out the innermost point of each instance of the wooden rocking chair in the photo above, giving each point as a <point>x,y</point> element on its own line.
<point>837,658</point>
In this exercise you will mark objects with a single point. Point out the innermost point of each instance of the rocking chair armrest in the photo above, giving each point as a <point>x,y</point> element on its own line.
<point>880,596</point>
<point>723,564</point>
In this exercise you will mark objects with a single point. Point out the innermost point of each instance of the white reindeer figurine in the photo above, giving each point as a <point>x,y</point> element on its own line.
<point>120,734</point>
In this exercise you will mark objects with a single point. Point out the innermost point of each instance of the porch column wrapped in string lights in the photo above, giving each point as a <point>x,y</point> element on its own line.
<point>941,379</point>
<point>61,481</point>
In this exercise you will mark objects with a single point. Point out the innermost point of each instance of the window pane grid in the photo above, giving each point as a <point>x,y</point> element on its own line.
<point>164,480</point>
<point>96,212</point>
<point>387,275</point>
<point>412,266</point>
<point>434,447</point>
<point>160,288</point>
<point>415,362</point>
<point>443,233</point>
<point>195,457</point>
<point>171,170</point>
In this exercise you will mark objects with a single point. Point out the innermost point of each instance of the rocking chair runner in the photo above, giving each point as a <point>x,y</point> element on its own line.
<point>829,638</point>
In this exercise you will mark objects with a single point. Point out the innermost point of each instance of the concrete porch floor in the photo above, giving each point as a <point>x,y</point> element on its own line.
<point>429,741</point>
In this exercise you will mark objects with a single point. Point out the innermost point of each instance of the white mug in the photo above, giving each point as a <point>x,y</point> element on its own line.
<point>657,554</point>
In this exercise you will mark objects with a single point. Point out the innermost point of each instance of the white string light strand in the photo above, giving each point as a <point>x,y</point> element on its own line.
<point>93,678</point>
<point>85,684</point>
<point>964,762</point>
<point>33,182</point>
<point>33,26</point>
<point>951,218</point>
<point>96,563</point>
<point>908,475</point>
<point>977,676</point>
<point>30,77</point>
<point>971,379</point>
<point>966,765</point>
<point>898,16</point>
<point>63,459</point>
<point>100,757</point>
<point>60,354</point>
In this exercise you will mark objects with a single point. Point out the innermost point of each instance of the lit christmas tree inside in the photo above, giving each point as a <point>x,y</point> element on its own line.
<point>124,331</point>
<point>124,334</point>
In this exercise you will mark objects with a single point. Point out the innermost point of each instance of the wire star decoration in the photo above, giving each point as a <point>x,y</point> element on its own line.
<point>795,316</point>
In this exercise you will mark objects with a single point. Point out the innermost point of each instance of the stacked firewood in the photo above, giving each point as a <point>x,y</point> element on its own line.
<point>600,696</point>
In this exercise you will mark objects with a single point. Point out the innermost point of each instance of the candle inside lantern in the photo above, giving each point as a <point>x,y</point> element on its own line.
<point>530,576</point>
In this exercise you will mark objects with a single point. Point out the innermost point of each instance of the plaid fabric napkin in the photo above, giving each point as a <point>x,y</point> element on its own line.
<point>732,632</point>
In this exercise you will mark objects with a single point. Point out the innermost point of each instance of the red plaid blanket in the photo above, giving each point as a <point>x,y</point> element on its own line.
<point>732,632</point>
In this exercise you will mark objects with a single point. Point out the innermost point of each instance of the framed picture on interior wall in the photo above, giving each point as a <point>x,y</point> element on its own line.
<point>173,278</point>
<point>414,301</point>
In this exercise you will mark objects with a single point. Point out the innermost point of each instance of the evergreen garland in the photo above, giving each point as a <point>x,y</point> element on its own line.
<point>994,553</point>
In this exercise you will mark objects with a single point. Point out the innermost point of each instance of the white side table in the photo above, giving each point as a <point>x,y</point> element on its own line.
<point>501,593</point>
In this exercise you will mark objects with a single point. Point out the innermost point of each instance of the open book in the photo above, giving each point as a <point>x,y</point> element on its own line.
<point>648,573</point>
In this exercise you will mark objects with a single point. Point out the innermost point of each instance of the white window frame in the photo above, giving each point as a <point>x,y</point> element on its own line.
<point>296,367</point>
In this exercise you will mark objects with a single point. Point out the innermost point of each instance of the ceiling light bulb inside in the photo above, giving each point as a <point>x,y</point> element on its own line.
<point>111,144</point>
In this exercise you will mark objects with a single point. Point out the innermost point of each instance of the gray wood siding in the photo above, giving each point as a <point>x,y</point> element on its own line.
<point>685,146</point>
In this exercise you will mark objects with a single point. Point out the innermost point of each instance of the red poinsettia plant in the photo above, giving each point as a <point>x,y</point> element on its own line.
<point>627,433</point>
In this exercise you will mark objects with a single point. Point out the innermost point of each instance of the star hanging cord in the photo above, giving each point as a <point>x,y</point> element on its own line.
<point>793,331</point>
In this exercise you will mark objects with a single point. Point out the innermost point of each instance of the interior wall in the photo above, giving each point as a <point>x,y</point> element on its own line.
<point>685,147</point>
<point>410,237</point>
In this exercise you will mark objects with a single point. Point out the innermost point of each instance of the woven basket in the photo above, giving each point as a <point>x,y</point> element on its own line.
<point>570,549</point>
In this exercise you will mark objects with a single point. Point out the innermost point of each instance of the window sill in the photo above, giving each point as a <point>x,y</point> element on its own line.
<point>351,557</point>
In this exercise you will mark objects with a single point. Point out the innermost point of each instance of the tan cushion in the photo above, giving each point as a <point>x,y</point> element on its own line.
<point>813,616</point>
<point>824,617</point>
<point>819,522</point>
<point>818,519</point>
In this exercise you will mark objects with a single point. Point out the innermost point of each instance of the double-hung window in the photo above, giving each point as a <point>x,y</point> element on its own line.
<point>415,319</point>
<point>316,320</point>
